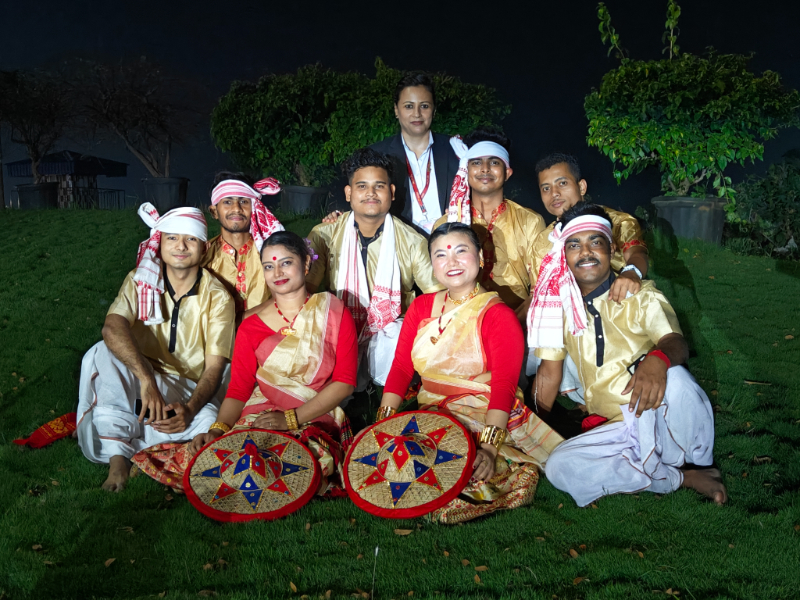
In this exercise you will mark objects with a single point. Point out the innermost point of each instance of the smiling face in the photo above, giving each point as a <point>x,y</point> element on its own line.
<point>370,193</point>
<point>456,263</point>
<point>588,255</point>
<point>414,110</point>
<point>559,188</point>
<point>233,213</point>
<point>487,175</point>
<point>181,251</point>
<point>284,271</point>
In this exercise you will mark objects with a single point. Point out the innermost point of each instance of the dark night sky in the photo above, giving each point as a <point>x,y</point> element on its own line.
<point>543,58</point>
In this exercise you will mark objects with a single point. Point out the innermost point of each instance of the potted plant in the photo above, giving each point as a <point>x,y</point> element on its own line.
<point>278,127</point>
<point>38,108</point>
<point>691,116</point>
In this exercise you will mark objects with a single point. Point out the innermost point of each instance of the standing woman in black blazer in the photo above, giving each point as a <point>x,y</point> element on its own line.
<point>424,162</point>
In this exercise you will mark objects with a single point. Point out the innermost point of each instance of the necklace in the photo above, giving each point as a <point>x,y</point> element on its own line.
<point>290,330</point>
<point>470,296</point>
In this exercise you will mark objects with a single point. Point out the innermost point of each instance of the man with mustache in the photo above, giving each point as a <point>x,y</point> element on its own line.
<point>167,341</point>
<point>233,256</point>
<point>507,230</point>
<point>372,261</point>
<point>650,427</point>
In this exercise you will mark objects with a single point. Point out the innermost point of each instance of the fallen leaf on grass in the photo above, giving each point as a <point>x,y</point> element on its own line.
<point>225,543</point>
<point>477,579</point>
<point>582,547</point>
<point>760,460</point>
<point>208,567</point>
<point>711,277</point>
<point>411,593</point>
<point>577,580</point>
<point>328,594</point>
<point>206,593</point>
<point>786,337</point>
<point>168,497</point>
<point>560,506</point>
<point>516,570</point>
<point>403,531</point>
<point>343,543</point>
<point>36,547</point>
<point>731,546</point>
<point>540,539</point>
<point>797,527</point>
<point>305,597</point>
<point>13,374</point>
<point>446,553</point>
<point>573,553</point>
<point>751,382</point>
<point>109,562</point>
<point>352,521</point>
<point>482,568</point>
<point>293,586</point>
<point>641,555</point>
<point>464,562</point>
<point>299,569</point>
<point>162,594</point>
<point>223,563</point>
<point>424,561</point>
<point>308,526</point>
<point>48,563</point>
<point>126,529</point>
<point>744,475</point>
<point>593,505</point>
<point>359,557</point>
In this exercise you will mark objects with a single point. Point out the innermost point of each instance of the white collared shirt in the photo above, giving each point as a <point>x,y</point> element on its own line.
<point>431,198</point>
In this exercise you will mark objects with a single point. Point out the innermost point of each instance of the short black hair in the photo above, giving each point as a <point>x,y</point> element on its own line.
<point>447,228</point>
<point>488,134</point>
<point>581,209</point>
<point>414,79</point>
<point>556,158</point>
<point>289,240</point>
<point>366,157</point>
<point>223,175</point>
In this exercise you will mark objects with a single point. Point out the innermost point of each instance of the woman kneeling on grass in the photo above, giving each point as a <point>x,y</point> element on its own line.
<point>467,346</point>
<point>301,353</point>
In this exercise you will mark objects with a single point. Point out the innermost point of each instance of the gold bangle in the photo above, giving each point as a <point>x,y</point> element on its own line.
<point>291,419</point>
<point>493,435</point>
<point>224,428</point>
<point>384,412</point>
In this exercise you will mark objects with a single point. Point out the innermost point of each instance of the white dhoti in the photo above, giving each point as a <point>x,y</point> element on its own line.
<point>571,385</point>
<point>107,423</point>
<point>642,454</point>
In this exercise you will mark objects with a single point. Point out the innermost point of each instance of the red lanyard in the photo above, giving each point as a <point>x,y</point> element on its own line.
<point>414,183</point>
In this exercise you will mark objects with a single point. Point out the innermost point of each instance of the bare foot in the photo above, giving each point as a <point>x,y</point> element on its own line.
<point>119,469</point>
<point>707,482</point>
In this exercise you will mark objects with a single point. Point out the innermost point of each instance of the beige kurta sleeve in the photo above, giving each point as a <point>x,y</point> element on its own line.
<point>320,238</point>
<point>221,325</point>
<point>655,316</point>
<point>126,304</point>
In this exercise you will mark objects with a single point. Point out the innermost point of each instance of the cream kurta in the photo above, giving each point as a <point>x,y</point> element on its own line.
<point>205,326</point>
<point>508,241</point>
<point>241,273</point>
<point>412,256</point>
<point>620,333</point>
<point>625,231</point>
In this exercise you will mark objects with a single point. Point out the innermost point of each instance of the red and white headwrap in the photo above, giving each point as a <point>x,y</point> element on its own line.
<point>460,210</point>
<point>557,293</point>
<point>262,222</point>
<point>149,276</point>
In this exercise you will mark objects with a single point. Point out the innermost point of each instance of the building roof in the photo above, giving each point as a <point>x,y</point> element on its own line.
<point>69,163</point>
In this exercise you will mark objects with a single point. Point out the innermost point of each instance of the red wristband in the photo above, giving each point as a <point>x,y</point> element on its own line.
<point>661,355</point>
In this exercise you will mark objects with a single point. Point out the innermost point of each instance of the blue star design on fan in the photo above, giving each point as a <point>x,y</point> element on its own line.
<point>251,460</point>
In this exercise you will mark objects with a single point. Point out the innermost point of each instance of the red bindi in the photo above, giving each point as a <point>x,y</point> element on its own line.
<point>448,246</point>
<point>274,258</point>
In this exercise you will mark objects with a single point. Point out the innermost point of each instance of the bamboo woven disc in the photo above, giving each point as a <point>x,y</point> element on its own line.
<point>409,465</point>
<point>251,474</point>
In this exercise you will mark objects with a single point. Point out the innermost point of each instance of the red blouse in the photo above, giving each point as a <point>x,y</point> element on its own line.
<point>253,331</point>
<point>503,344</point>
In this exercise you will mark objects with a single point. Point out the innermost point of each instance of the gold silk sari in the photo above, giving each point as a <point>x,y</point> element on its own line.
<point>455,382</point>
<point>293,369</point>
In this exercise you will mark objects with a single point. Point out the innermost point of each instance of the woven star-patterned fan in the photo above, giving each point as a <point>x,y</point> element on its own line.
<point>251,474</point>
<point>409,465</point>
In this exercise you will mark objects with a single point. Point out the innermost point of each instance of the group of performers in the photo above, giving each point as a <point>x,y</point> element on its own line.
<point>259,328</point>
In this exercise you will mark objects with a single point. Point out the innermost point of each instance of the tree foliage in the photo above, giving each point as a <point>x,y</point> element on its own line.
<point>691,116</point>
<point>298,126</point>
<point>38,108</point>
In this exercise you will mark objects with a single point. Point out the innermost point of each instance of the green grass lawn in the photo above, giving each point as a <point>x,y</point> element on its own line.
<point>58,530</point>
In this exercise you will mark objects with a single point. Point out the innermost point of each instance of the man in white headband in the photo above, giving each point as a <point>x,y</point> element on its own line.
<point>506,230</point>
<point>167,341</point>
<point>233,256</point>
<point>372,261</point>
<point>650,426</point>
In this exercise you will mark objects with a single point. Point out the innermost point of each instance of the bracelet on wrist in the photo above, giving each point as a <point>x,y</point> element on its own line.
<point>662,356</point>
<point>633,268</point>
<point>493,435</point>
<point>223,427</point>
<point>384,412</point>
<point>291,419</point>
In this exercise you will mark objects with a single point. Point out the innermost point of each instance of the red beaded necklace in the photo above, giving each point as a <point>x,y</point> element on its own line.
<point>468,297</point>
<point>290,330</point>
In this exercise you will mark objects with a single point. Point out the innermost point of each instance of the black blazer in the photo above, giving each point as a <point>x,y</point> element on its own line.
<point>445,164</point>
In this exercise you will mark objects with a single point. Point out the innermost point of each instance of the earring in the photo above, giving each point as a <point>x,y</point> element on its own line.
<point>481,263</point>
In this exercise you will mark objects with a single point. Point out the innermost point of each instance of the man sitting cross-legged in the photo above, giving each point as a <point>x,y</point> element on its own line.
<point>167,351</point>
<point>233,256</point>
<point>508,232</point>
<point>372,261</point>
<point>650,426</point>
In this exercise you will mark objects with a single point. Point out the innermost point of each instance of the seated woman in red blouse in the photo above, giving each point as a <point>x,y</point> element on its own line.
<point>294,361</point>
<point>467,347</point>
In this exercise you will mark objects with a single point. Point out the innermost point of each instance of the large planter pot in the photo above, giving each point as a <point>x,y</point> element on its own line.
<point>692,218</point>
<point>302,199</point>
<point>33,196</point>
<point>166,193</point>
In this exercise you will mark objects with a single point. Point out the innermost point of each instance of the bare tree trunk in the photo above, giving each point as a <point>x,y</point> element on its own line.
<point>2,183</point>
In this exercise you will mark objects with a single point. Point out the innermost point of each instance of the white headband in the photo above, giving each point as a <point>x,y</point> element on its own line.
<point>482,149</point>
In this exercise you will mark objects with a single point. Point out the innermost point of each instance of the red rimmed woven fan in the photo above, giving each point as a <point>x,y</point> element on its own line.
<point>409,465</point>
<point>251,474</point>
